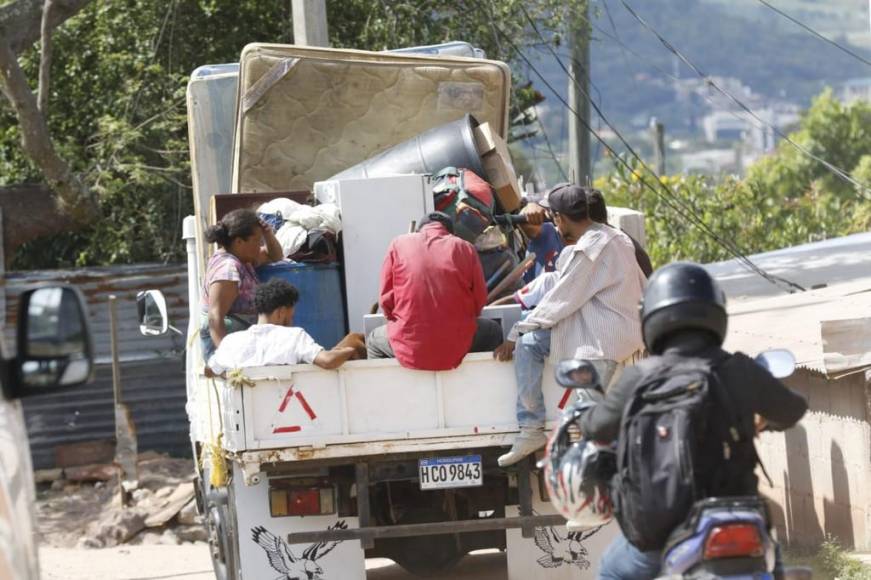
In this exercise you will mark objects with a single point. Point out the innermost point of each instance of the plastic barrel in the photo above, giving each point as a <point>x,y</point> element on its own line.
<point>321,307</point>
<point>448,145</point>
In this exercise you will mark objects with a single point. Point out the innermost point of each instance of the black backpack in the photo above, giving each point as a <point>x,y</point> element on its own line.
<point>678,438</point>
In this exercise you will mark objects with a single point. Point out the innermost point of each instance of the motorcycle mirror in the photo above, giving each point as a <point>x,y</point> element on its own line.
<point>780,363</point>
<point>577,374</point>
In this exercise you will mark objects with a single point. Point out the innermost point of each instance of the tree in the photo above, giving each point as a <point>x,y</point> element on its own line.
<point>66,199</point>
<point>838,133</point>
<point>117,99</point>
<point>786,199</point>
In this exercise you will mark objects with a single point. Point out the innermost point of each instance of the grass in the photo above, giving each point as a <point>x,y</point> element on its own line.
<point>830,562</point>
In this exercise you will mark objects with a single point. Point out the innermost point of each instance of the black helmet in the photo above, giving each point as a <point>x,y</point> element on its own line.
<point>681,296</point>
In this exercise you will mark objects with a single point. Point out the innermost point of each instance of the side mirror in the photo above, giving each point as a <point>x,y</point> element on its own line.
<point>780,363</point>
<point>153,315</point>
<point>54,341</point>
<point>578,374</point>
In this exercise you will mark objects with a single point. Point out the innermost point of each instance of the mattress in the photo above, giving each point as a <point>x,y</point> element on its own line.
<point>307,113</point>
<point>211,102</point>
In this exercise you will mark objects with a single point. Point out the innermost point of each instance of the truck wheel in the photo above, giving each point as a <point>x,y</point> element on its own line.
<point>215,502</point>
<point>425,555</point>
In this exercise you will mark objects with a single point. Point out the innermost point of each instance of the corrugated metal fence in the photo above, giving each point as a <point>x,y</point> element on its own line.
<point>152,368</point>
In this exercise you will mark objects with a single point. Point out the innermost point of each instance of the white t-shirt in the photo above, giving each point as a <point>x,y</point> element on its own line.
<point>264,344</point>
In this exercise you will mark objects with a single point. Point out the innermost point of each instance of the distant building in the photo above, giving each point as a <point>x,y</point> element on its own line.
<point>856,90</point>
<point>757,132</point>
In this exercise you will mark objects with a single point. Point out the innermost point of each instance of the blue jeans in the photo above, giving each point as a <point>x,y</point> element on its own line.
<point>530,354</point>
<point>623,561</point>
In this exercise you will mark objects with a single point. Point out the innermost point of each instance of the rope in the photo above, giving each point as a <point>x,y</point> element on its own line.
<point>218,472</point>
<point>237,379</point>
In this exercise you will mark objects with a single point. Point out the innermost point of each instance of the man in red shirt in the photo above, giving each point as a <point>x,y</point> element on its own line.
<point>432,291</point>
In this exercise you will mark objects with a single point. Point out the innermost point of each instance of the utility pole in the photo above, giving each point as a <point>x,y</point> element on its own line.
<point>579,136</point>
<point>657,134</point>
<point>310,23</point>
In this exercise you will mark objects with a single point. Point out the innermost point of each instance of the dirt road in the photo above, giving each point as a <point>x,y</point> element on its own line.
<point>191,562</point>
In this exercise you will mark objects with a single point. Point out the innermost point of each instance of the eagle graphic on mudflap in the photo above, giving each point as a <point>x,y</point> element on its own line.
<point>291,566</point>
<point>559,550</point>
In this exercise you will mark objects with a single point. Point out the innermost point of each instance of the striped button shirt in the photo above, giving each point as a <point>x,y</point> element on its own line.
<point>593,306</point>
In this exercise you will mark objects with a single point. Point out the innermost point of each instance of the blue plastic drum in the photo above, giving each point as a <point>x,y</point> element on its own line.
<point>321,307</point>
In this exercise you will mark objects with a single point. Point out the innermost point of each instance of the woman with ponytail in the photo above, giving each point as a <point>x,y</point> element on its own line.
<point>244,242</point>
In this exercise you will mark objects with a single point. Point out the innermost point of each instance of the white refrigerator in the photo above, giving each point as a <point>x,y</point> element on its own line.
<point>374,211</point>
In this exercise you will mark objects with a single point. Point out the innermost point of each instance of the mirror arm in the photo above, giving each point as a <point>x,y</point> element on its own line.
<point>175,330</point>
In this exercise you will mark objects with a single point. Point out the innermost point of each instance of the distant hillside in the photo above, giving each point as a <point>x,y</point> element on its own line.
<point>731,39</point>
<point>832,18</point>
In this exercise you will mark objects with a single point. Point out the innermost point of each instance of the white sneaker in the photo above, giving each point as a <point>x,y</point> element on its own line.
<point>528,442</point>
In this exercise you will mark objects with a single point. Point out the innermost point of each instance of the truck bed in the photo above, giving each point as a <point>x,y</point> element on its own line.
<point>364,408</point>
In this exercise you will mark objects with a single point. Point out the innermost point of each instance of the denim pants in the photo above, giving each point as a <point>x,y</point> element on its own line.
<point>530,355</point>
<point>623,561</point>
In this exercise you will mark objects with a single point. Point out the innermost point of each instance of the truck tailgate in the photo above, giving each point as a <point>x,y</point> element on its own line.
<point>368,402</point>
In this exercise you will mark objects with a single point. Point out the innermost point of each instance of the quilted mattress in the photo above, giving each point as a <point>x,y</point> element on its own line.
<point>307,113</point>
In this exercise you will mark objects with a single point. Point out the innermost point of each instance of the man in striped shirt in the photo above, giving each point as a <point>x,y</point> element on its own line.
<point>590,312</point>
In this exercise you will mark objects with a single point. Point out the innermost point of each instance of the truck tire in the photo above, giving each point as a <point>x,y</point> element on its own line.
<point>425,555</point>
<point>215,504</point>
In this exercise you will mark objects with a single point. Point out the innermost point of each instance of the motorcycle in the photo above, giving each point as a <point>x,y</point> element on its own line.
<point>723,537</point>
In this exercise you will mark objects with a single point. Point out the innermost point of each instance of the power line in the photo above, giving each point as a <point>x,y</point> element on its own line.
<point>670,198</point>
<point>842,174</point>
<point>837,45</point>
<point>550,150</point>
<point>650,62</point>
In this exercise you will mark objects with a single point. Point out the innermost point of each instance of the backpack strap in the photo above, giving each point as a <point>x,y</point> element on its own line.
<point>724,399</point>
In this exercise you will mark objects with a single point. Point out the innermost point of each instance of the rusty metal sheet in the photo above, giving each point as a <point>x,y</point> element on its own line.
<point>125,282</point>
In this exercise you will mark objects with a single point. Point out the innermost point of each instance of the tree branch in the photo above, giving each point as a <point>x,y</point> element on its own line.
<point>21,21</point>
<point>44,58</point>
<point>30,212</point>
<point>74,197</point>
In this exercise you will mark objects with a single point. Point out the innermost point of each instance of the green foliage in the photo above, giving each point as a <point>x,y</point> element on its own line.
<point>836,561</point>
<point>787,199</point>
<point>840,134</point>
<point>117,110</point>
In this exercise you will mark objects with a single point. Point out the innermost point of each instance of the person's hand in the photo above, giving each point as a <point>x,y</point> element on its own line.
<point>266,227</point>
<point>759,423</point>
<point>504,352</point>
<point>535,214</point>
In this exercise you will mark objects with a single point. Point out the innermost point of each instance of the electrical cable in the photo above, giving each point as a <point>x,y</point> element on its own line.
<point>837,171</point>
<point>670,198</point>
<point>837,45</point>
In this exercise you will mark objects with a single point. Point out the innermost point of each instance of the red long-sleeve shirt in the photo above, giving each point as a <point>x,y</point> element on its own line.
<point>432,291</point>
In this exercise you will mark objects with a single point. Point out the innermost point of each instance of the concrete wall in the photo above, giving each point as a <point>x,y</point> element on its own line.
<point>821,468</point>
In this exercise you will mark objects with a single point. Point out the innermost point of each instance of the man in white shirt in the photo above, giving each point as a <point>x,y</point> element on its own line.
<point>273,341</point>
<point>589,310</point>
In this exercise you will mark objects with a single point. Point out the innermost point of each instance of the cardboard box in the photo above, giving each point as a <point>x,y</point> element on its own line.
<point>496,160</point>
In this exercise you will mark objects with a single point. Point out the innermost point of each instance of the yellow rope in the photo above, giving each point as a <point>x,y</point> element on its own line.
<point>218,472</point>
<point>235,378</point>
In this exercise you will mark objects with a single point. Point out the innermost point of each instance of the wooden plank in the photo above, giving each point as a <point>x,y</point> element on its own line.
<point>173,504</point>
<point>846,344</point>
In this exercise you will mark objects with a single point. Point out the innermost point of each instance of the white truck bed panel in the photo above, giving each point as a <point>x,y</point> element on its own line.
<point>370,401</point>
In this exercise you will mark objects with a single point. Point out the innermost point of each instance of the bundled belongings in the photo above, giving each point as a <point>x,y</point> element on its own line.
<point>306,233</point>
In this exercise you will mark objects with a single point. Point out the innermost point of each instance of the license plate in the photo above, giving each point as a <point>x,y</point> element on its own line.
<point>448,472</point>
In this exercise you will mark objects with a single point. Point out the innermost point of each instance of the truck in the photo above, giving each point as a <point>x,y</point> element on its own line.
<point>304,472</point>
<point>53,352</point>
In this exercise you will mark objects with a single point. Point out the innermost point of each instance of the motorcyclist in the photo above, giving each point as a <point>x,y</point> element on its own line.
<point>683,315</point>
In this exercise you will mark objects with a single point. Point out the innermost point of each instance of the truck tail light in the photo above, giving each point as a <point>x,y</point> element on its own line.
<point>301,501</point>
<point>734,541</point>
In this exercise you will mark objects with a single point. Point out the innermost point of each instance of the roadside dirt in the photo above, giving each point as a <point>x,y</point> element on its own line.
<point>88,514</point>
